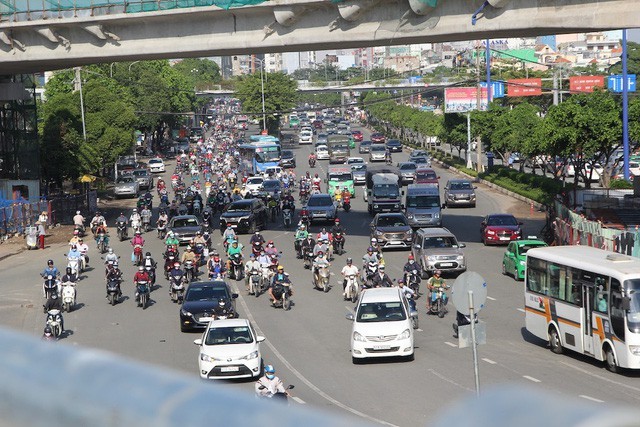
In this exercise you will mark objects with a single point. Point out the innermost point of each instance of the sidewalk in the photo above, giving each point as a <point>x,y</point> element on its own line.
<point>18,244</point>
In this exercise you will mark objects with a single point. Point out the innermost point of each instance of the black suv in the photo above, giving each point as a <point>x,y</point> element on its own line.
<point>287,159</point>
<point>247,215</point>
<point>201,299</point>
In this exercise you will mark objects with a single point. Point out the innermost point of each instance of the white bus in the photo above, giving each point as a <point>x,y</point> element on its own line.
<point>586,300</point>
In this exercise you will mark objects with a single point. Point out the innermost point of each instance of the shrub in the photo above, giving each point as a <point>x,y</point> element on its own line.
<point>620,184</point>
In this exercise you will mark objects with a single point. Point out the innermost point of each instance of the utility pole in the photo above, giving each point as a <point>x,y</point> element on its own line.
<point>555,87</point>
<point>78,84</point>
<point>479,103</point>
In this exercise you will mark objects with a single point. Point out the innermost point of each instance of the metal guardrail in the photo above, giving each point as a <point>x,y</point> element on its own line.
<point>51,384</point>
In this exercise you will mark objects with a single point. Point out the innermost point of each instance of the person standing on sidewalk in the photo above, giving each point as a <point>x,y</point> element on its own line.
<point>41,234</point>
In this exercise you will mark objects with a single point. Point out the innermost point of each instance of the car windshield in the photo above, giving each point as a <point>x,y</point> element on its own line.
<point>381,312</point>
<point>523,249</point>
<point>140,173</point>
<point>420,160</point>
<point>423,201</point>
<point>408,167</point>
<point>391,221</point>
<point>229,335</point>
<point>460,186</point>
<point>255,181</point>
<point>155,161</point>
<point>378,148</point>
<point>359,167</point>
<point>502,220</point>
<point>287,154</point>
<point>439,242</point>
<point>320,201</point>
<point>205,293</point>
<point>427,175</point>
<point>125,180</point>
<point>185,222</point>
<point>239,207</point>
<point>386,190</point>
<point>632,288</point>
<point>346,176</point>
<point>271,185</point>
<point>268,156</point>
<point>355,161</point>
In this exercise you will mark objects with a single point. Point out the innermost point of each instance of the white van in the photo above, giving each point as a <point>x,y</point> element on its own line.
<point>381,325</point>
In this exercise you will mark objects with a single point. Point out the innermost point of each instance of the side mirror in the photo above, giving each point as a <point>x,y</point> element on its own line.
<point>234,296</point>
<point>291,387</point>
<point>462,245</point>
<point>260,338</point>
<point>444,206</point>
<point>350,316</point>
<point>198,341</point>
<point>626,303</point>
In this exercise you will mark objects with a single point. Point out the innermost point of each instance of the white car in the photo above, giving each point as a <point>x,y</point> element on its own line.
<point>156,165</point>
<point>229,349</point>
<point>254,184</point>
<point>322,152</point>
<point>597,172</point>
<point>382,325</point>
<point>272,172</point>
<point>305,137</point>
<point>355,161</point>
<point>377,153</point>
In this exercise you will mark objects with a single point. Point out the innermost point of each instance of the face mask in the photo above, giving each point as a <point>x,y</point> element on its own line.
<point>269,376</point>
<point>411,261</point>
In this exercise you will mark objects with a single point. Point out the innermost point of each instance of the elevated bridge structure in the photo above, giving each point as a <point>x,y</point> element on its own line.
<point>38,35</point>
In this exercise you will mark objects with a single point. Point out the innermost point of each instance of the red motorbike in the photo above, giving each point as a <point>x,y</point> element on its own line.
<point>346,203</point>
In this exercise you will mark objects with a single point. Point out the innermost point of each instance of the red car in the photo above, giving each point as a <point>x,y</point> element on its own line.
<point>500,229</point>
<point>317,124</point>
<point>426,176</point>
<point>357,135</point>
<point>378,138</point>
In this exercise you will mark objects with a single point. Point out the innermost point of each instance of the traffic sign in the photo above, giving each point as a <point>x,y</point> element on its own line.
<point>497,89</point>
<point>615,83</point>
<point>469,281</point>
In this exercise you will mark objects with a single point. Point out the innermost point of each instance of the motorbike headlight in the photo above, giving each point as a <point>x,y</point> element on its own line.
<point>358,337</point>
<point>250,356</point>
<point>186,313</point>
<point>410,216</point>
<point>404,335</point>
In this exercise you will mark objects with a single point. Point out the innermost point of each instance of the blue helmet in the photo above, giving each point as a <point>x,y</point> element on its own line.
<point>269,369</point>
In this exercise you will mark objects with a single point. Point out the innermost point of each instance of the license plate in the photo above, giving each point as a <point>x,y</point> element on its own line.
<point>229,369</point>
<point>505,238</point>
<point>446,264</point>
<point>234,225</point>
<point>381,347</point>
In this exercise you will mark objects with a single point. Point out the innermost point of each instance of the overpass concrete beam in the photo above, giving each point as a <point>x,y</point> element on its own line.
<point>352,10</point>
<point>420,7</point>
<point>498,3</point>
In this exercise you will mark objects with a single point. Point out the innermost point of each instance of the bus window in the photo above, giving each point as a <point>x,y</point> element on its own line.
<point>601,294</point>
<point>536,276</point>
<point>574,286</point>
<point>554,280</point>
<point>616,310</point>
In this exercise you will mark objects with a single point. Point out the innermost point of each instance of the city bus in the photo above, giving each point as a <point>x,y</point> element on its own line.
<point>586,300</point>
<point>340,176</point>
<point>257,156</point>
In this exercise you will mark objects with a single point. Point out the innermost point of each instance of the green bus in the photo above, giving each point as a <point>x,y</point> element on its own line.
<point>340,176</point>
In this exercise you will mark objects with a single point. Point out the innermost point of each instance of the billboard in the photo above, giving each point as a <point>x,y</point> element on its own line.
<point>524,87</point>
<point>585,83</point>
<point>464,99</point>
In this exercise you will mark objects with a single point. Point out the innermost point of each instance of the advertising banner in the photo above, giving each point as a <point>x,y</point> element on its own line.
<point>464,99</point>
<point>524,87</point>
<point>585,83</point>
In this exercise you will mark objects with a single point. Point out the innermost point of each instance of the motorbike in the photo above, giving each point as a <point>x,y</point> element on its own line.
<point>189,271</point>
<point>142,289</point>
<point>50,286</point>
<point>136,256</point>
<point>308,258</point>
<point>287,217</point>
<point>370,270</point>
<point>176,289</point>
<point>101,239</point>
<point>273,210</point>
<point>462,320</point>
<point>121,226</point>
<point>68,296</point>
<point>113,291</point>
<point>206,222</point>
<point>305,218</point>
<point>80,229</point>
<point>304,195</point>
<point>438,302</point>
<point>162,229</point>
<point>265,279</point>
<point>146,223</point>
<point>199,251</point>
<point>282,397</point>
<point>352,288</point>
<point>338,243</point>
<point>282,296</point>
<point>168,264</point>
<point>254,283</point>
<point>413,312</point>
<point>256,248</point>
<point>54,320</point>
<point>74,263</point>
<point>151,271</point>
<point>346,203</point>
<point>236,267</point>
<point>312,162</point>
<point>321,279</point>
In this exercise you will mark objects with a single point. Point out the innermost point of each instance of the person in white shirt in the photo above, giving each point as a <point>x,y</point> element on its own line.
<point>83,248</point>
<point>78,219</point>
<point>349,270</point>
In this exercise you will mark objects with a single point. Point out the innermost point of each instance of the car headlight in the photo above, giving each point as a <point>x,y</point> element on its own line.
<point>185,313</point>
<point>516,232</point>
<point>436,215</point>
<point>358,337</point>
<point>207,358</point>
<point>473,196</point>
<point>431,257</point>
<point>635,350</point>
<point>250,356</point>
<point>404,335</point>
<point>451,196</point>
<point>410,216</point>
<point>409,232</point>
<point>460,258</point>
<point>491,232</point>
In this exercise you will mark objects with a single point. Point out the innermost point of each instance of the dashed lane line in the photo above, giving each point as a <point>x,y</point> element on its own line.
<point>489,361</point>
<point>535,380</point>
<point>450,344</point>
<point>593,399</point>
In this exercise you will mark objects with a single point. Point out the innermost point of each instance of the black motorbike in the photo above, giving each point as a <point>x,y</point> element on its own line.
<point>121,227</point>
<point>113,291</point>
<point>236,267</point>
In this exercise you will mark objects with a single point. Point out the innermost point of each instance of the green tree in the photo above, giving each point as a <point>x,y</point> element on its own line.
<point>454,132</point>
<point>202,74</point>
<point>279,96</point>
<point>633,60</point>
<point>514,132</point>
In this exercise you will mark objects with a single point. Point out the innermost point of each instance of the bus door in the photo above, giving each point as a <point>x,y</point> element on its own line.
<point>588,297</point>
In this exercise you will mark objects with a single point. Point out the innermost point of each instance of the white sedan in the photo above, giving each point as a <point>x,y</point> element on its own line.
<point>322,152</point>
<point>254,185</point>
<point>229,348</point>
<point>156,165</point>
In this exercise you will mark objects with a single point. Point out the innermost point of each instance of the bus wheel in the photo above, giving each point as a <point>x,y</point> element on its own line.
<point>610,360</point>
<point>554,341</point>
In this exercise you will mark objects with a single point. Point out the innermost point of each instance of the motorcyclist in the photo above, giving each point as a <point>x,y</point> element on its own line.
<point>319,262</point>
<point>316,182</point>
<point>376,246</point>
<point>145,215</point>
<point>434,283</point>
<point>78,220</point>
<point>137,239</point>
<point>74,253</point>
<point>300,236</point>
<point>135,219</point>
<point>408,292</point>
<point>324,235</point>
<point>280,278</point>
<point>69,276</point>
<point>235,248</point>
<point>222,309</point>
<point>269,384</point>
<point>74,240</point>
<point>83,248</point>
<point>189,255</point>
<point>198,240</point>
<point>115,275</point>
<point>140,276</point>
<point>312,159</point>
<point>55,303</point>
<point>149,262</point>
<point>381,279</point>
<point>97,220</point>
<point>411,268</point>
<point>337,228</point>
<point>229,234</point>
<point>348,270</point>
<point>176,273</point>
<point>171,240</point>
<point>271,250</point>
<point>320,246</point>
<point>215,266</point>
<point>250,268</point>
<point>308,244</point>
<point>370,256</point>
<point>289,201</point>
<point>110,256</point>
<point>263,259</point>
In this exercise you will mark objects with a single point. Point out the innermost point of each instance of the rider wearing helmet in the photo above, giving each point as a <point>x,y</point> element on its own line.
<point>280,279</point>
<point>189,255</point>
<point>269,384</point>
<point>171,239</point>
<point>434,282</point>
<point>411,268</point>
<point>50,270</point>
<point>222,310</point>
<point>348,270</point>
<point>257,237</point>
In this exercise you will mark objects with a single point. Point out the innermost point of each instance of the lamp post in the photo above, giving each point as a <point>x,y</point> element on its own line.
<point>262,79</point>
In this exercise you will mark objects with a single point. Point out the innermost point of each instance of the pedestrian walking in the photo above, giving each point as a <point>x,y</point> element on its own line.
<point>41,233</point>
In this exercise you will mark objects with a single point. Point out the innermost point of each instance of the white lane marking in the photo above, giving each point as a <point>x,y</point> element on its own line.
<point>297,399</point>
<point>593,399</point>
<point>535,380</point>
<point>490,298</point>
<point>302,377</point>
<point>521,309</point>
<point>489,361</point>
<point>450,381</point>
<point>602,378</point>
<point>450,344</point>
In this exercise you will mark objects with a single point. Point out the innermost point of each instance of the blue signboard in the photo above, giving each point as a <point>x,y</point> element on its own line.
<point>497,89</point>
<point>615,83</point>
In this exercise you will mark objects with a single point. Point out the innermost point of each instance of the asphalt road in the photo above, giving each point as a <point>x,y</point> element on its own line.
<point>309,345</point>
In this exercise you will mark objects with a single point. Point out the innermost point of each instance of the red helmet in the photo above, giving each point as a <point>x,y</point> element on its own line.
<point>337,220</point>
<point>411,256</point>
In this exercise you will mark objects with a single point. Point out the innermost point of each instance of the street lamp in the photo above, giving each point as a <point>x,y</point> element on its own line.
<point>262,79</point>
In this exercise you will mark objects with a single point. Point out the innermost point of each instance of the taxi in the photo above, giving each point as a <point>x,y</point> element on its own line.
<point>515,257</point>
